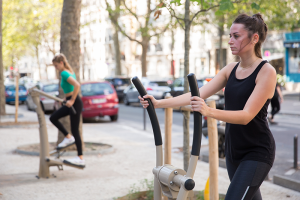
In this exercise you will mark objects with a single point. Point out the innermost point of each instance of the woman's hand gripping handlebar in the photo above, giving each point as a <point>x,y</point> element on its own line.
<point>145,103</point>
<point>197,116</point>
<point>73,111</point>
<point>150,108</point>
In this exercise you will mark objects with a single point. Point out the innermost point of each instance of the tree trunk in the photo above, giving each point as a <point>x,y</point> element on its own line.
<point>118,70</point>
<point>186,114</point>
<point>70,47</point>
<point>145,44</point>
<point>2,88</point>
<point>172,56</point>
<point>38,61</point>
<point>117,52</point>
<point>221,31</point>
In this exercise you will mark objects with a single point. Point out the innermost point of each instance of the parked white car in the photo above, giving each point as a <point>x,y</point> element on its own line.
<point>158,89</point>
<point>47,104</point>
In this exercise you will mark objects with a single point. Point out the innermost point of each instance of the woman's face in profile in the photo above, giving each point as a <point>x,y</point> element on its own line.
<point>239,41</point>
<point>59,65</point>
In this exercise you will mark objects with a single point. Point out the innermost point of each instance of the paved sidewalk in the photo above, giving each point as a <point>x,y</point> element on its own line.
<point>106,176</point>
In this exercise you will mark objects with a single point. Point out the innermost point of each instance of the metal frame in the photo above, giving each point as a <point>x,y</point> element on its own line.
<point>173,182</point>
<point>45,161</point>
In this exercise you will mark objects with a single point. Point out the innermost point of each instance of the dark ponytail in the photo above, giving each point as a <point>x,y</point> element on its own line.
<point>254,24</point>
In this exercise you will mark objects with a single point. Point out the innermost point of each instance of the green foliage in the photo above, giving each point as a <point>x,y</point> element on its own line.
<point>226,5</point>
<point>26,24</point>
<point>200,195</point>
<point>281,80</point>
<point>144,185</point>
<point>255,6</point>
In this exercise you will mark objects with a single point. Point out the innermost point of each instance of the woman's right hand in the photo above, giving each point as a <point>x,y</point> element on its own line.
<point>145,103</point>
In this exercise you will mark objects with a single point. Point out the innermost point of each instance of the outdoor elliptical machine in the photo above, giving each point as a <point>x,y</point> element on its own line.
<point>45,161</point>
<point>173,182</point>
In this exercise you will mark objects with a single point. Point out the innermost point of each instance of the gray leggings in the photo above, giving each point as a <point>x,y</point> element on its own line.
<point>246,178</point>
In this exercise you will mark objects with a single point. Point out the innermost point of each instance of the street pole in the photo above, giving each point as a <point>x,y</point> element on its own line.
<point>17,97</point>
<point>296,152</point>
<point>144,114</point>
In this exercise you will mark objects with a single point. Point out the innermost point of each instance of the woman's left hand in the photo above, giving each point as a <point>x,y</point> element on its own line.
<point>70,103</point>
<point>199,105</point>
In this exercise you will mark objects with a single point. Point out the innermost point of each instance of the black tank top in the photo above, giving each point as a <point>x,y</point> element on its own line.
<point>253,141</point>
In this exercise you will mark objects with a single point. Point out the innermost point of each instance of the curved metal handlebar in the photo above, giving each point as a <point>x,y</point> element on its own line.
<point>73,111</point>
<point>151,111</point>
<point>197,117</point>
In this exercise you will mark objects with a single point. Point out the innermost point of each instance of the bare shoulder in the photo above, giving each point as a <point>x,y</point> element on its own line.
<point>267,71</point>
<point>228,69</point>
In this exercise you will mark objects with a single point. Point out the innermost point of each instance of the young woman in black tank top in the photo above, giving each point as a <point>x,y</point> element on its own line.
<point>249,86</point>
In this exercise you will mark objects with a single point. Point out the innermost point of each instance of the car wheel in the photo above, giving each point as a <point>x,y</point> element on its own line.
<point>126,102</point>
<point>114,118</point>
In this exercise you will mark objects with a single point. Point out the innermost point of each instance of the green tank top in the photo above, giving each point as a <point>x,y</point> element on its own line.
<point>66,86</point>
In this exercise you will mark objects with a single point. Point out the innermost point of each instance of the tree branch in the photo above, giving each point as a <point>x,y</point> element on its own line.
<point>170,9</point>
<point>131,12</point>
<point>205,10</point>
<point>166,27</point>
<point>123,32</point>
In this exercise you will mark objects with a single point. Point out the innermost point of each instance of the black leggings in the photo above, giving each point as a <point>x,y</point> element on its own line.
<point>275,104</point>
<point>246,178</point>
<point>74,120</point>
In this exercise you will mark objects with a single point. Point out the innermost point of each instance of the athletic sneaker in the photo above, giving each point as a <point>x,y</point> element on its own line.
<point>66,142</point>
<point>75,161</point>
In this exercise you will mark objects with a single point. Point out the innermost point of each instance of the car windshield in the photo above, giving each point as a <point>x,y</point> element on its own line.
<point>121,81</point>
<point>13,88</point>
<point>93,89</point>
<point>50,88</point>
<point>158,83</point>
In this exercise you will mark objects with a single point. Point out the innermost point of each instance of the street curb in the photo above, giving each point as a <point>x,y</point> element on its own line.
<point>222,162</point>
<point>32,125</point>
<point>286,182</point>
<point>285,113</point>
<point>10,115</point>
<point>73,153</point>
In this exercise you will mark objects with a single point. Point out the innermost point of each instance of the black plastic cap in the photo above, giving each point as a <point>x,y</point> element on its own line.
<point>189,184</point>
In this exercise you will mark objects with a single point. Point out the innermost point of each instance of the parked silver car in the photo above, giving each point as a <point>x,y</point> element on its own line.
<point>47,104</point>
<point>158,89</point>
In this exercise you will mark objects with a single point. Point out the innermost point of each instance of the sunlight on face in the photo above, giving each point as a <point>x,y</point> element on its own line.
<point>239,39</point>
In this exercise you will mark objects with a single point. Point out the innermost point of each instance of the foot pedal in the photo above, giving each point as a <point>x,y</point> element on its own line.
<point>72,164</point>
<point>61,148</point>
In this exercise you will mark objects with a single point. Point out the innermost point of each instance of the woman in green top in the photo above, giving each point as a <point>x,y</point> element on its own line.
<point>71,88</point>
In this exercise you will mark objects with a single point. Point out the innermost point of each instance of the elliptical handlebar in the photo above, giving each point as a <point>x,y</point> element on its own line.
<point>73,111</point>
<point>151,111</point>
<point>197,116</point>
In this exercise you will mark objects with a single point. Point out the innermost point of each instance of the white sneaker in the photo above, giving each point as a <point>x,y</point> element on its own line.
<point>75,161</point>
<point>66,142</point>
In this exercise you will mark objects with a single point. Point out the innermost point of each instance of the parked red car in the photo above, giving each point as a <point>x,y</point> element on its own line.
<point>99,99</point>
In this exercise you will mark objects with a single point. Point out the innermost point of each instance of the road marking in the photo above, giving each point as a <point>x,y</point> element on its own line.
<point>290,172</point>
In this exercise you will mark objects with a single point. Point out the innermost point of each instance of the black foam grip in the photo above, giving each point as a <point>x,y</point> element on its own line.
<point>151,111</point>
<point>197,116</point>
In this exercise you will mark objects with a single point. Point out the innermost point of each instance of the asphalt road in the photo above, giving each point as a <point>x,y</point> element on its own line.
<point>288,126</point>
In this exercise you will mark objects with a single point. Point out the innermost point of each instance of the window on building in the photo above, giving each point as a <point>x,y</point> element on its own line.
<point>294,60</point>
<point>181,68</point>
